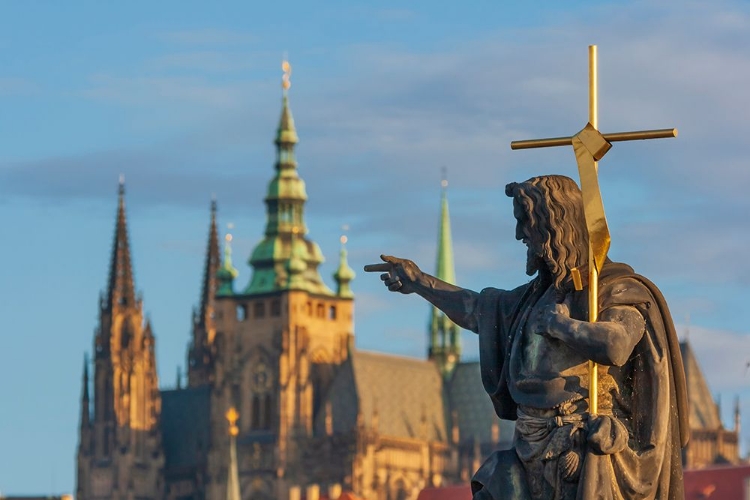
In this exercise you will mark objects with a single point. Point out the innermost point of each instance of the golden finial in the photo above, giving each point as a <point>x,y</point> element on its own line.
<point>232,417</point>
<point>344,238</point>
<point>444,179</point>
<point>285,79</point>
<point>228,237</point>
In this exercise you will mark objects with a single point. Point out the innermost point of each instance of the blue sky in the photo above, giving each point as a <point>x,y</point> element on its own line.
<point>183,99</point>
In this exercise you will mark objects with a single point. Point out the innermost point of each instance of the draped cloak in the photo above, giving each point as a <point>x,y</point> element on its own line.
<point>653,408</point>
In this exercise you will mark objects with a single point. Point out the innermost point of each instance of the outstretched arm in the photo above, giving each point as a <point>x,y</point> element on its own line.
<point>403,275</point>
<point>609,341</point>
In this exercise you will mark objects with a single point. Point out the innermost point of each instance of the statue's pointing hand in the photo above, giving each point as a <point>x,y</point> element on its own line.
<point>399,275</point>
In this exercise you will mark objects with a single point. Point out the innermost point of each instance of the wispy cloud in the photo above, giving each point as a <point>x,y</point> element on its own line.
<point>207,37</point>
<point>204,61</point>
<point>17,86</point>
<point>146,90</point>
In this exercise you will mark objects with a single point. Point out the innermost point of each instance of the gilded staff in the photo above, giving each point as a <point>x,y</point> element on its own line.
<point>664,133</point>
<point>590,146</point>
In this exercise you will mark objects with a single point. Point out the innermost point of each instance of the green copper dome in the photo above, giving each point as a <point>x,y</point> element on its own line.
<point>286,259</point>
<point>344,274</point>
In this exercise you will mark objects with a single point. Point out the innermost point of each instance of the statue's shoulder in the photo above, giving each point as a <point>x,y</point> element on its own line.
<point>619,284</point>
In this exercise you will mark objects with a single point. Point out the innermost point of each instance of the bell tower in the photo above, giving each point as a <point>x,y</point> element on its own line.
<point>280,340</point>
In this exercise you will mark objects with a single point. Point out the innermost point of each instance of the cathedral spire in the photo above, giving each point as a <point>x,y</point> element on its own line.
<point>212,263</point>
<point>204,330</point>
<point>121,287</point>
<point>445,336</point>
<point>286,259</point>
<point>85,402</point>
<point>737,415</point>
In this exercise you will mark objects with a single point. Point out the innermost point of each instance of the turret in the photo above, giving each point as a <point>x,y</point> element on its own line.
<point>344,274</point>
<point>226,274</point>
<point>444,334</point>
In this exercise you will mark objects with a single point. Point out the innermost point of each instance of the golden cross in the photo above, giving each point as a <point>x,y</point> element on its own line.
<point>590,146</point>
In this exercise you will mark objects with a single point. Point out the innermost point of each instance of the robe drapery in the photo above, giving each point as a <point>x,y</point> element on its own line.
<point>651,405</point>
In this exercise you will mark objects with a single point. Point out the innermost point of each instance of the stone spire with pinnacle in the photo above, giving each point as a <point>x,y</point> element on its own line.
<point>208,291</point>
<point>85,403</point>
<point>286,259</point>
<point>204,330</point>
<point>445,335</point>
<point>121,286</point>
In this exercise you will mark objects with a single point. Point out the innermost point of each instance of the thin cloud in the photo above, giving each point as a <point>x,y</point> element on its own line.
<point>17,86</point>
<point>151,90</point>
<point>207,37</point>
<point>204,61</point>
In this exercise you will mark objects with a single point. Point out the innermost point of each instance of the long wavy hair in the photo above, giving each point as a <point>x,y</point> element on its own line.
<point>554,207</point>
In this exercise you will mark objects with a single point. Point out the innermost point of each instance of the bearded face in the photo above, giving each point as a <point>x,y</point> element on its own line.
<point>535,259</point>
<point>551,223</point>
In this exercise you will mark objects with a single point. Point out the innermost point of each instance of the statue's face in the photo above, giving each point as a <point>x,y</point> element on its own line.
<point>532,240</point>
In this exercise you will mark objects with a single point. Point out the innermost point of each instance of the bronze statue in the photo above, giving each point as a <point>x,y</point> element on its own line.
<point>535,346</point>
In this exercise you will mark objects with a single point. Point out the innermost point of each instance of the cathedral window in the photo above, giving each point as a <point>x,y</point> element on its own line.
<point>275,307</point>
<point>267,411</point>
<point>259,310</point>
<point>241,312</point>
<point>255,413</point>
<point>321,311</point>
<point>332,312</point>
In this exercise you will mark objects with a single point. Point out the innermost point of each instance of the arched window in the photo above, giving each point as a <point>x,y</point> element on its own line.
<point>267,411</point>
<point>241,312</point>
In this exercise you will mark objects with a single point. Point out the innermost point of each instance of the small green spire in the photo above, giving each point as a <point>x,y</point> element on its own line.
<point>344,274</point>
<point>445,336</point>
<point>227,273</point>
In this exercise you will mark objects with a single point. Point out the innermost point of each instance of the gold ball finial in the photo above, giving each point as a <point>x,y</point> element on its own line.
<point>344,238</point>
<point>232,417</point>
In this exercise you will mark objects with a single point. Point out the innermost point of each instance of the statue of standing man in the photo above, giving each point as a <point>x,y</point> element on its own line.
<point>534,349</point>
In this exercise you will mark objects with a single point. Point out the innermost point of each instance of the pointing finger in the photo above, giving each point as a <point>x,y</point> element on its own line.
<point>377,268</point>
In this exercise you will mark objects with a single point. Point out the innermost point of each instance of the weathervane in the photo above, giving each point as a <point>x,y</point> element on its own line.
<point>590,146</point>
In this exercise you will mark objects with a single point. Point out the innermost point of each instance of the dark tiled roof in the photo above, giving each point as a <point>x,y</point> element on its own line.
<point>403,390</point>
<point>473,406</point>
<point>457,492</point>
<point>185,426</point>
<point>704,412</point>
